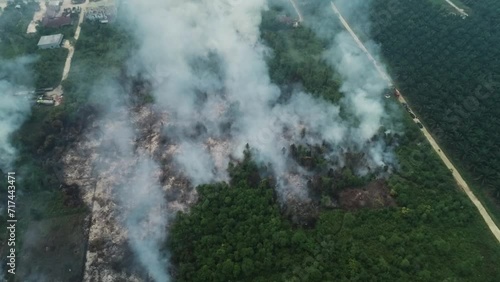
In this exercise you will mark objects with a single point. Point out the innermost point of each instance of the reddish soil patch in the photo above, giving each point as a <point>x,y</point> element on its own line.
<point>374,195</point>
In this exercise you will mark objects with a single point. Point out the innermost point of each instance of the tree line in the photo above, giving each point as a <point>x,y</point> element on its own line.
<point>448,67</point>
<point>238,231</point>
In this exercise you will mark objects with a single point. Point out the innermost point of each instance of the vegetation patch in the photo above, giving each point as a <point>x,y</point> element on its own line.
<point>375,195</point>
<point>427,231</point>
<point>448,71</point>
<point>53,248</point>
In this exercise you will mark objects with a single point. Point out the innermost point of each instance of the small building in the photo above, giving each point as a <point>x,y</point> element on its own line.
<point>54,4</point>
<point>50,41</point>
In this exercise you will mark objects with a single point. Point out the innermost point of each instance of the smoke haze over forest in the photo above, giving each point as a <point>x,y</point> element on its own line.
<point>207,66</point>
<point>14,76</point>
<point>238,140</point>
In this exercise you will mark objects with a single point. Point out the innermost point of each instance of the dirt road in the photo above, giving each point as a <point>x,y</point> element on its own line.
<point>69,58</point>
<point>461,182</point>
<point>301,19</point>
<point>58,91</point>
<point>461,11</point>
<point>361,45</point>
<point>38,16</point>
<point>80,20</point>
<point>70,47</point>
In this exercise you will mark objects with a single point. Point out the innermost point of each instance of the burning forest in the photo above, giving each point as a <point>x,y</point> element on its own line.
<point>207,75</point>
<point>225,140</point>
<point>195,97</point>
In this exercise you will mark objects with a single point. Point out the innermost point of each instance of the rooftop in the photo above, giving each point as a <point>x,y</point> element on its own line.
<point>50,39</point>
<point>54,3</point>
<point>56,22</point>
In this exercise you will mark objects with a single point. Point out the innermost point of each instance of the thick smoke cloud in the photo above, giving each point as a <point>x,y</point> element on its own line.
<point>209,73</point>
<point>201,171</point>
<point>15,104</point>
<point>145,218</point>
<point>362,85</point>
<point>210,81</point>
<point>134,177</point>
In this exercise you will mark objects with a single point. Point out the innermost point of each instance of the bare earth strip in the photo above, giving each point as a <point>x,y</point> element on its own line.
<point>461,182</point>
<point>301,19</point>
<point>67,65</point>
<point>37,17</point>
<point>58,91</point>
<point>461,11</point>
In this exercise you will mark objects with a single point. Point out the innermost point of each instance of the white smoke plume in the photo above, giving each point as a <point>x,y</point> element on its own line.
<point>145,218</point>
<point>15,104</point>
<point>362,85</point>
<point>208,68</point>
<point>133,177</point>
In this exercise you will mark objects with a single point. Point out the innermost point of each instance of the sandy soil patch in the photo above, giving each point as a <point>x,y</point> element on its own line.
<point>37,17</point>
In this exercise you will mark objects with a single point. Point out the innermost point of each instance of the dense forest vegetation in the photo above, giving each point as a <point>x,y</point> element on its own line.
<point>298,60</point>
<point>238,231</point>
<point>448,68</point>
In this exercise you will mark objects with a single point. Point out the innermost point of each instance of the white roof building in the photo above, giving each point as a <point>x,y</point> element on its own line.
<point>50,41</point>
<point>54,4</point>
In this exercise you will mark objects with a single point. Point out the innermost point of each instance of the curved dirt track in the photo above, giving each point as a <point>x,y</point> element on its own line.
<point>58,91</point>
<point>37,17</point>
<point>458,178</point>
